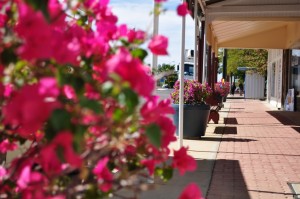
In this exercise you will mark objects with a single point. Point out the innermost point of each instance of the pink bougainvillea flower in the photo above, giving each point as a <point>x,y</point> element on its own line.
<point>6,145</point>
<point>191,191</point>
<point>62,44</point>
<point>160,1</point>
<point>8,90</point>
<point>48,158</point>
<point>3,173</point>
<point>48,87</point>
<point>96,4</point>
<point>132,70</point>
<point>90,119</point>
<point>183,162</point>
<point>94,44</point>
<point>64,140</point>
<point>122,30</point>
<point>106,21</point>
<point>3,19</point>
<point>153,109</point>
<point>130,150</point>
<point>69,92</point>
<point>90,92</point>
<point>131,34</point>
<point>182,9</point>
<point>31,184</point>
<point>150,164</point>
<point>103,174</point>
<point>158,45</point>
<point>27,176</point>
<point>168,130</point>
<point>30,107</point>
<point>40,31</point>
<point>136,35</point>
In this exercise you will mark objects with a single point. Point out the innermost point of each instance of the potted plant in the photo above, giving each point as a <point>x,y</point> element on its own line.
<point>196,111</point>
<point>222,88</point>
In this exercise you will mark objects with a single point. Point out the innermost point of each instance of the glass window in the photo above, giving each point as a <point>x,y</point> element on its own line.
<point>273,72</point>
<point>295,64</point>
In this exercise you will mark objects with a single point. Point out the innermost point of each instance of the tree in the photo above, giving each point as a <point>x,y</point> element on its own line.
<point>256,58</point>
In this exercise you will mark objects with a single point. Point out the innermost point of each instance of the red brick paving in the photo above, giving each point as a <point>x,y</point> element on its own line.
<point>257,156</point>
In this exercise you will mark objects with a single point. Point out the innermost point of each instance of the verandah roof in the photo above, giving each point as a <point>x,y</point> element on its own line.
<point>269,24</point>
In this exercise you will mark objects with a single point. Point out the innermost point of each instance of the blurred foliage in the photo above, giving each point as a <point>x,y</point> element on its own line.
<point>256,58</point>
<point>167,71</point>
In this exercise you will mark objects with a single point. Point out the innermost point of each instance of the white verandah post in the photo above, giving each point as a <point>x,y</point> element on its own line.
<point>181,79</point>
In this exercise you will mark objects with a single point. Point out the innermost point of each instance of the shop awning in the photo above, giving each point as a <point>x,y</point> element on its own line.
<point>268,24</point>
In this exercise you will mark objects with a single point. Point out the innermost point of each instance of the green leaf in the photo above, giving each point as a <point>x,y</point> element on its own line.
<point>107,87</point>
<point>164,173</point>
<point>90,104</point>
<point>139,53</point>
<point>118,115</point>
<point>154,134</point>
<point>59,120</point>
<point>82,20</point>
<point>78,137</point>
<point>8,56</point>
<point>66,77</point>
<point>167,173</point>
<point>41,5</point>
<point>131,99</point>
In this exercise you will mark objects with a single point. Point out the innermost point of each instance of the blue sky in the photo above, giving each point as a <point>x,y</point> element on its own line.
<point>136,14</point>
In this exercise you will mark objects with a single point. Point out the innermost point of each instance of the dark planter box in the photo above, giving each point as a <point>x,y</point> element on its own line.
<point>195,118</point>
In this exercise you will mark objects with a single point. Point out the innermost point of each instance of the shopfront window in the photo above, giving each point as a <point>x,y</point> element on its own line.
<point>295,76</point>
<point>273,72</point>
<point>295,64</point>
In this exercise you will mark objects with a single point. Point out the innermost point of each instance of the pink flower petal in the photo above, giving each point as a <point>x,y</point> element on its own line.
<point>183,162</point>
<point>158,45</point>
<point>191,191</point>
<point>182,9</point>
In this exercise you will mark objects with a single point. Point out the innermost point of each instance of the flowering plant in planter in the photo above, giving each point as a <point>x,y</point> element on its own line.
<point>194,92</point>
<point>76,92</point>
<point>222,88</point>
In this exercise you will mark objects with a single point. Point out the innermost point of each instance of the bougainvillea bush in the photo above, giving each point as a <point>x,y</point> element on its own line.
<point>194,92</point>
<point>75,90</point>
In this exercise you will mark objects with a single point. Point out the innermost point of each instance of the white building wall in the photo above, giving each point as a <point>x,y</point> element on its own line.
<point>254,85</point>
<point>274,82</point>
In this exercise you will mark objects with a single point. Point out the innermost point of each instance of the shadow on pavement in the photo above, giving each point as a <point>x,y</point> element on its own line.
<point>227,181</point>
<point>230,120</point>
<point>296,129</point>
<point>175,186</point>
<point>227,139</point>
<point>225,130</point>
<point>286,117</point>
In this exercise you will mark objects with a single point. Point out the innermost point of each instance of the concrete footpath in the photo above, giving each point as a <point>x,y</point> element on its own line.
<point>253,153</point>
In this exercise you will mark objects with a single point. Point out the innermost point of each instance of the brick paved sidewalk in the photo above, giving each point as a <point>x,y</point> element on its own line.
<point>258,153</point>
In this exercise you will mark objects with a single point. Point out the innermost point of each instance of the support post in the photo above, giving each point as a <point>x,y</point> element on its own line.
<point>216,69</point>
<point>213,71</point>
<point>196,68</point>
<point>225,64</point>
<point>181,89</point>
<point>155,32</point>
<point>201,53</point>
<point>209,67</point>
